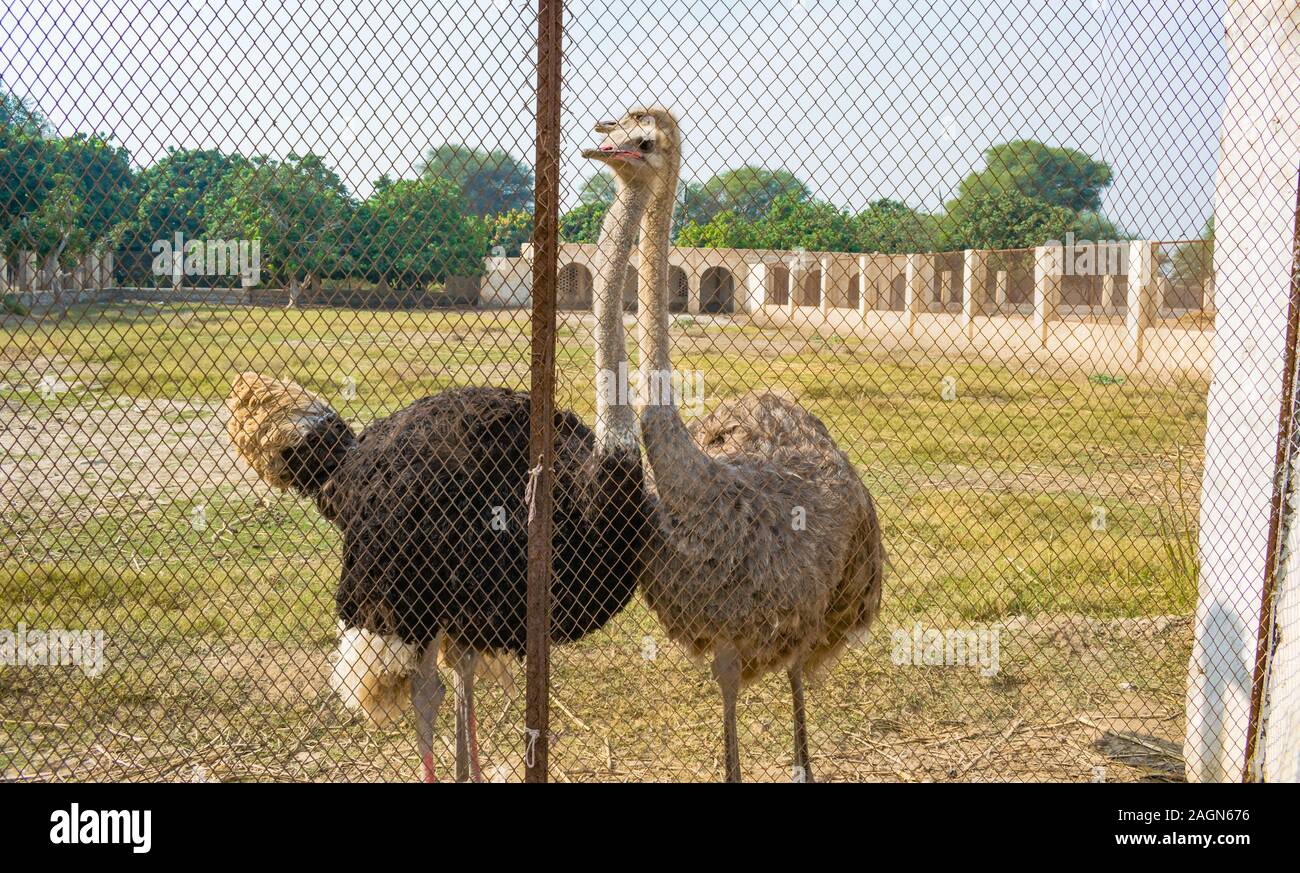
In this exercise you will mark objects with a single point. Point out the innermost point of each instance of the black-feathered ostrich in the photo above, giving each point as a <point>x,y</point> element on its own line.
<point>431,502</point>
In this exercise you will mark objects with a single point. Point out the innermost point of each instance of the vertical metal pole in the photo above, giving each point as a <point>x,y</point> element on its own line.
<point>550,29</point>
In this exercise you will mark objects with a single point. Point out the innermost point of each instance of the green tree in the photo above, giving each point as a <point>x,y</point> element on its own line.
<point>1056,176</point>
<point>725,230</point>
<point>27,175</point>
<point>1004,219</point>
<point>794,222</point>
<point>748,191</point>
<point>581,224</point>
<point>599,188</point>
<point>893,227</point>
<point>506,233</point>
<point>60,196</point>
<point>416,231</point>
<point>1193,262</point>
<point>298,208</point>
<point>492,181</point>
<point>172,197</point>
<point>18,114</point>
<point>1095,226</point>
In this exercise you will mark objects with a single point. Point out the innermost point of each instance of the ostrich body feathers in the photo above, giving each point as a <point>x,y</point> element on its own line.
<point>431,505</point>
<point>774,549</point>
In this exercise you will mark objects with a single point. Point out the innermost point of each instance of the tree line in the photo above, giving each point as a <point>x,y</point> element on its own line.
<point>64,196</point>
<point>1027,194</point>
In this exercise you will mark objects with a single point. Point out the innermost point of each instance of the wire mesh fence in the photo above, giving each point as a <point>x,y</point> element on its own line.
<point>880,401</point>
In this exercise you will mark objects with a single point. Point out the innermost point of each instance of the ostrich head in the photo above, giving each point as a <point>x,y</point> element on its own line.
<point>641,148</point>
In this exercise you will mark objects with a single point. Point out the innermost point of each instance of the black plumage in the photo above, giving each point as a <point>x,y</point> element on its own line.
<point>431,505</point>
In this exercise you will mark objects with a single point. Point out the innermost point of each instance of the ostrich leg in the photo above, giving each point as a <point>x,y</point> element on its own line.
<point>726,670</point>
<point>467,765</point>
<point>803,765</point>
<point>427,692</point>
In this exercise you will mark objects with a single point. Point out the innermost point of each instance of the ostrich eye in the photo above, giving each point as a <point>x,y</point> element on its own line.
<point>647,145</point>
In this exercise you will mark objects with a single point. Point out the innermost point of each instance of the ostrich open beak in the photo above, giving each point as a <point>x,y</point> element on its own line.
<point>611,153</point>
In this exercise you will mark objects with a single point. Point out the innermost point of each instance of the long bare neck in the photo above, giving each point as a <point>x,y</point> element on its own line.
<point>680,468</point>
<point>652,335</point>
<point>615,418</point>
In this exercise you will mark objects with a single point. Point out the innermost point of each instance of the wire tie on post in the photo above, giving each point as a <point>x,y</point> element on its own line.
<point>530,491</point>
<point>530,751</point>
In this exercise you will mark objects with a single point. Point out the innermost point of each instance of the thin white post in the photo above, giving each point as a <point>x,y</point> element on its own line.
<point>920,278</point>
<point>975,263</point>
<point>1141,307</point>
<point>829,283</point>
<point>755,287</point>
<point>1047,290</point>
<point>866,290</point>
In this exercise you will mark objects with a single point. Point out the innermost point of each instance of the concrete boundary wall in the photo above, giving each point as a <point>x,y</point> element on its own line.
<point>1001,305</point>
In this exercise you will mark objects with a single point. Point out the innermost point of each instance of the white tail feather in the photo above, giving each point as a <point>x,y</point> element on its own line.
<point>372,673</point>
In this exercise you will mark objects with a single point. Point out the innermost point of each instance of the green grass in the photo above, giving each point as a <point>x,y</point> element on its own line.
<point>218,637</point>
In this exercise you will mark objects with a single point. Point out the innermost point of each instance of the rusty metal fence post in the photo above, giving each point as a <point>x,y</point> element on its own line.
<point>545,268</point>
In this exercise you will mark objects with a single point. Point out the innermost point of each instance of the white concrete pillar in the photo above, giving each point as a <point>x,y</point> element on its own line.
<point>832,284</point>
<point>1047,290</point>
<point>1254,210</point>
<point>693,292</point>
<point>755,287</point>
<point>945,289</point>
<point>1141,303</point>
<point>1001,283</point>
<point>975,263</point>
<point>920,279</point>
<point>866,286</point>
<point>794,298</point>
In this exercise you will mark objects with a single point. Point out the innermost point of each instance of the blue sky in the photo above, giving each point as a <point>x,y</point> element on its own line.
<point>861,100</point>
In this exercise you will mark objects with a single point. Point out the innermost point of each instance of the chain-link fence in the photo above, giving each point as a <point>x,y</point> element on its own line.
<point>880,392</point>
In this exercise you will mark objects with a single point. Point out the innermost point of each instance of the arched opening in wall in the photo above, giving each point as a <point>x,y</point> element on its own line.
<point>812,289</point>
<point>854,295</point>
<point>679,290</point>
<point>630,286</point>
<point>717,290</point>
<point>778,285</point>
<point>898,292</point>
<point>574,287</point>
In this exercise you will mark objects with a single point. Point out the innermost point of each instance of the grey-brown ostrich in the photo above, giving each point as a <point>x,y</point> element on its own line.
<point>431,503</point>
<point>768,553</point>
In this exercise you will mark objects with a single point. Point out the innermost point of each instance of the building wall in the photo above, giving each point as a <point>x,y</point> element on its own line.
<point>1021,305</point>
